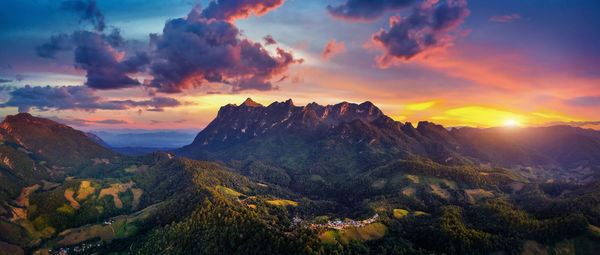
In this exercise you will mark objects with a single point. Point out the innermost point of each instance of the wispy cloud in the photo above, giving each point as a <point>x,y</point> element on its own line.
<point>505,18</point>
<point>332,48</point>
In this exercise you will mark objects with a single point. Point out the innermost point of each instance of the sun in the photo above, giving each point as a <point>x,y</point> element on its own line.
<point>511,123</point>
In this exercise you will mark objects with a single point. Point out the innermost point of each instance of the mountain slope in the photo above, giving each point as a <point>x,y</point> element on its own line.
<point>50,141</point>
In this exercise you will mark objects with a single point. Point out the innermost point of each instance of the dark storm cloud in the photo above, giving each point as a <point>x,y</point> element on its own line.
<point>61,42</point>
<point>75,98</point>
<point>367,10</point>
<point>235,9</point>
<point>89,12</point>
<point>5,81</point>
<point>195,50</point>
<point>426,28</point>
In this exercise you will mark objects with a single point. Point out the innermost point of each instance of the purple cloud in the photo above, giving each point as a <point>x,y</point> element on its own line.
<point>95,54</point>
<point>89,12</point>
<point>76,98</point>
<point>61,42</point>
<point>269,40</point>
<point>230,10</point>
<point>367,10</point>
<point>428,27</point>
<point>195,50</point>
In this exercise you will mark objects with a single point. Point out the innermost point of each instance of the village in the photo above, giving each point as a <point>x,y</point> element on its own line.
<point>76,249</point>
<point>331,224</point>
<point>336,224</point>
<point>81,247</point>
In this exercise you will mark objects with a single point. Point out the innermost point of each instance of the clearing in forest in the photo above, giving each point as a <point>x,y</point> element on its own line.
<point>69,196</point>
<point>283,202</point>
<point>367,233</point>
<point>85,189</point>
<point>114,191</point>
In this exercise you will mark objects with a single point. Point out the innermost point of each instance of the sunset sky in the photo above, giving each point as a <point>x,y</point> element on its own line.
<point>170,64</point>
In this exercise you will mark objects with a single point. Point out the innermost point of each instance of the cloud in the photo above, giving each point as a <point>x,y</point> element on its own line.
<point>367,10</point>
<point>95,53</point>
<point>89,12</point>
<point>204,47</point>
<point>427,28</point>
<point>75,98</point>
<point>585,101</point>
<point>170,122</point>
<point>195,50</point>
<point>269,40</point>
<point>332,49</point>
<point>61,42</point>
<point>230,10</point>
<point>111,121</point>
<point>5,81</point>
<point>505,18</point>
<point>86,122</point>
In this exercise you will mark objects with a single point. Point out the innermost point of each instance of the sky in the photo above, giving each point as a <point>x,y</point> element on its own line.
<point>170,64</point>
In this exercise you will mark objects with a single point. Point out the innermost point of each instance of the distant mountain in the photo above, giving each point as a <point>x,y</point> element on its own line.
<point>50,141</point>
<point>144,138</point>
<point>563,146</point>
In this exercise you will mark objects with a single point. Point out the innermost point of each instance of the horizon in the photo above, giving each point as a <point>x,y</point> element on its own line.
<point>81,124</point>
<point>119,66</point>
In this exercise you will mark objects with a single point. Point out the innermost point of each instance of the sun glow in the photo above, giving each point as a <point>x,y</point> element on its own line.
<point>511,123</point>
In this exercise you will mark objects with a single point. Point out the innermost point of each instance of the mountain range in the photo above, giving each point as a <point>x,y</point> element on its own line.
<point>286,179</point>
<point>313,139</point>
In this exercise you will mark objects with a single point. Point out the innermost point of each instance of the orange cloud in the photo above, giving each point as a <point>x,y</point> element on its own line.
<point>333,49</point>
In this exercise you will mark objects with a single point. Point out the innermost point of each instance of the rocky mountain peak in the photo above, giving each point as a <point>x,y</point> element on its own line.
<point>250,103</point>
<point>238,123</point>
